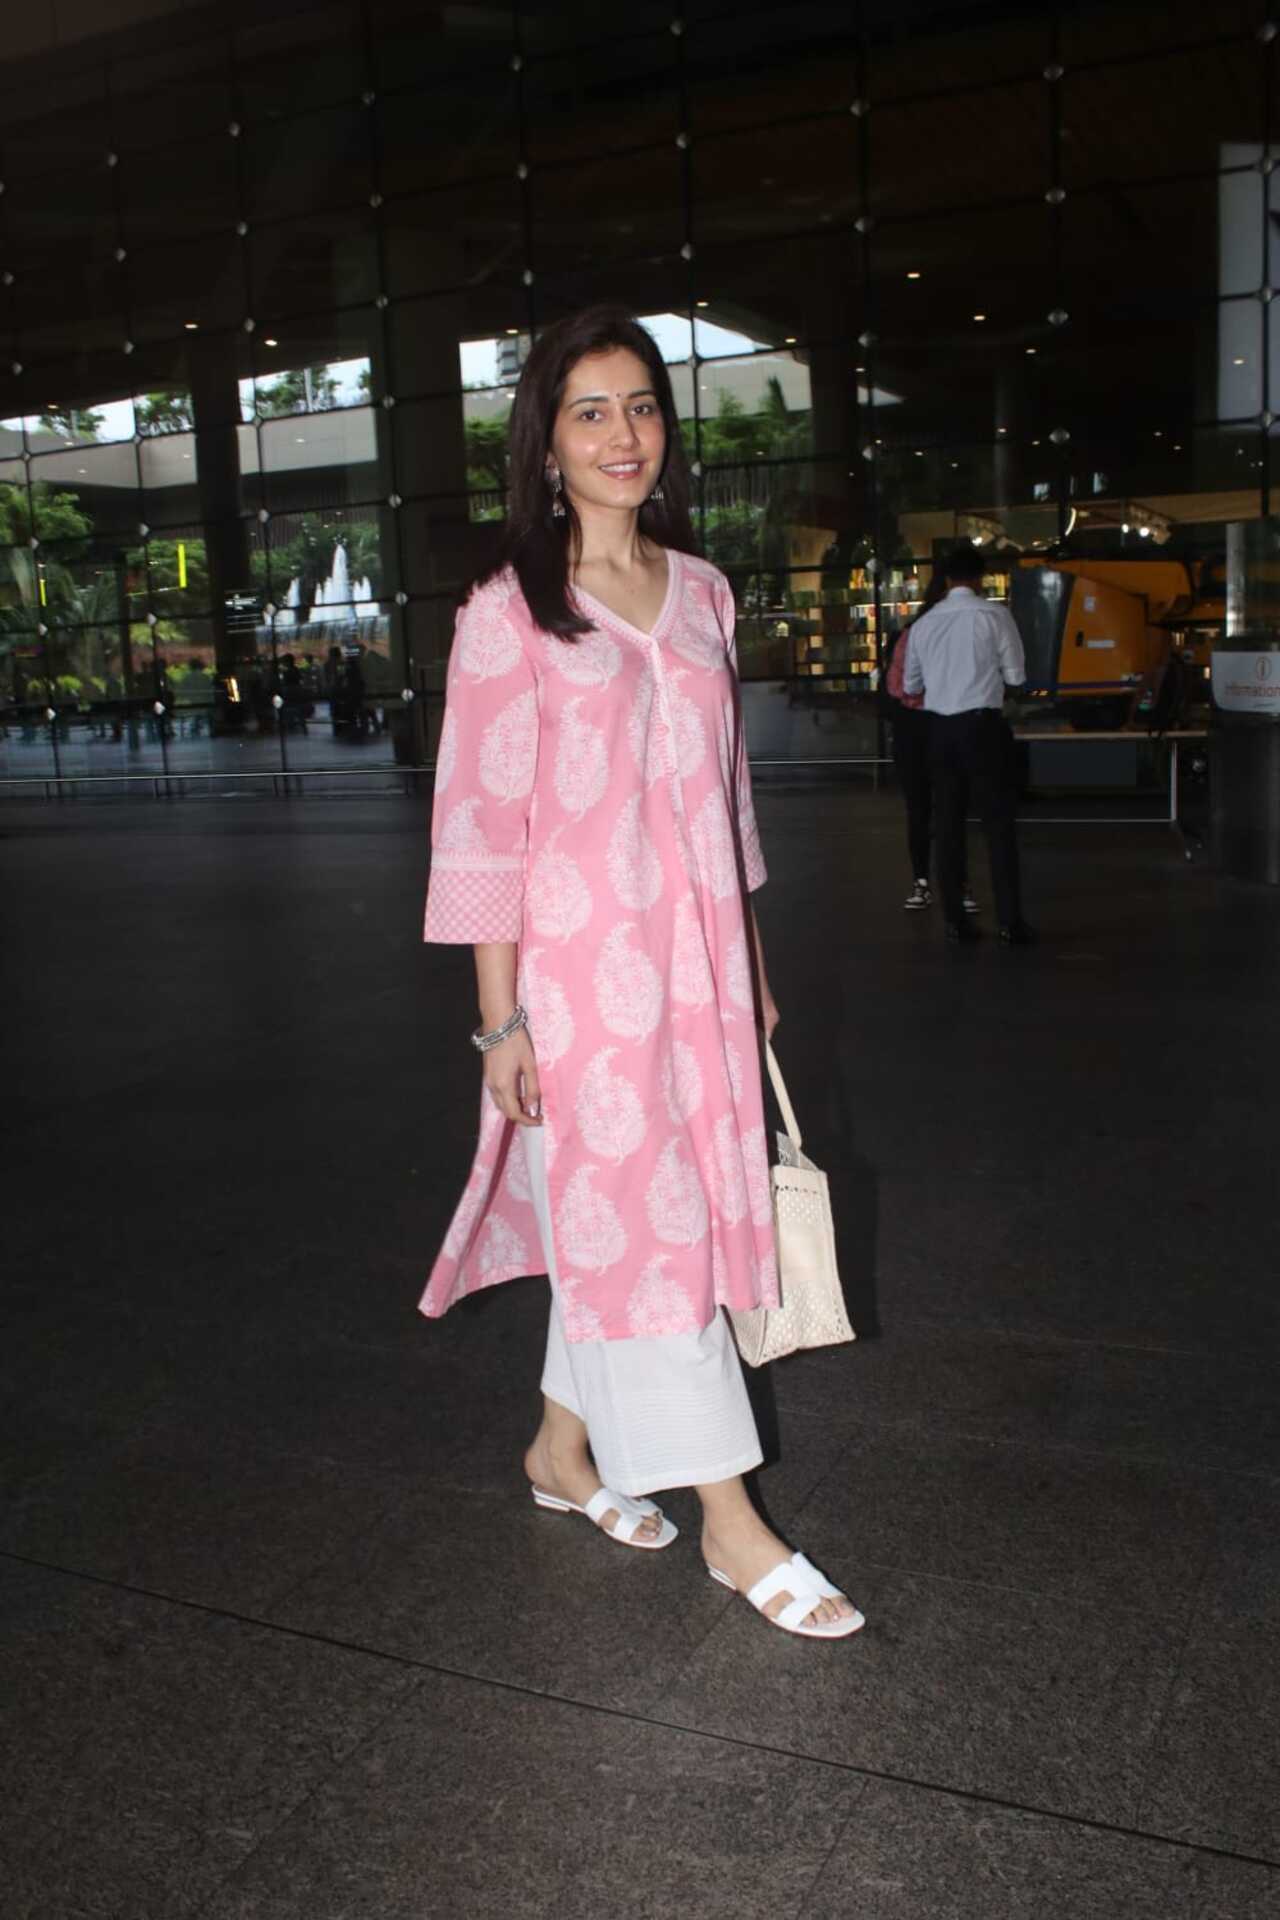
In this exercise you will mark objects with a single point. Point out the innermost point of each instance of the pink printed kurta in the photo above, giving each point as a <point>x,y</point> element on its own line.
<point>592,802</point>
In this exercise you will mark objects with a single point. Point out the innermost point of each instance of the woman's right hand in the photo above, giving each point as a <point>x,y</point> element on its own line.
<point>511,1075</point>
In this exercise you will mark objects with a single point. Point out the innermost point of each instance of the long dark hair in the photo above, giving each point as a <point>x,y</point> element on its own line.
<point>536,543</point>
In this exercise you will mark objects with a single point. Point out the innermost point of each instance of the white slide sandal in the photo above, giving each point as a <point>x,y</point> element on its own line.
<point>631,1516</point>
<point>802,1580</point>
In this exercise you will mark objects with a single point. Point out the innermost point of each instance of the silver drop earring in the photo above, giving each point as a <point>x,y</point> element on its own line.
<point>556,482</point>
<point>657,496</point>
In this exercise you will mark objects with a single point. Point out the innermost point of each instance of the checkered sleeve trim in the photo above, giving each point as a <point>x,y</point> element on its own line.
<point>470,904</point>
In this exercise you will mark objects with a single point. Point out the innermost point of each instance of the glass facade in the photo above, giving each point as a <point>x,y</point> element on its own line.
<point>1001,273</point>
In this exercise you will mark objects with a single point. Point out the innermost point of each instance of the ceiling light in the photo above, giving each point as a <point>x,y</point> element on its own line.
<point>914,274</point>
<point>269,341</point>
<point>513,330</point>
<point>702,303</point>
<point>1002,429</point>
<point>1124,526</point>
<point>1238,361</point>
<point>979,316</point>
<point>790,340</point>
<point>191,325</point>
<point>1030,349</point>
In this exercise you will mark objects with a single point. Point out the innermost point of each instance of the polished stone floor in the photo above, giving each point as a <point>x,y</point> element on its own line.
<point>283,1639</point>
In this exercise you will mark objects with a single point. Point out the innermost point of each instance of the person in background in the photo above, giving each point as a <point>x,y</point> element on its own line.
<point>912,758</point>
<point>961,656</point>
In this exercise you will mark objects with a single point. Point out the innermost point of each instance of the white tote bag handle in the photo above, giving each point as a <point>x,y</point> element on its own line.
<point>779,1087</point>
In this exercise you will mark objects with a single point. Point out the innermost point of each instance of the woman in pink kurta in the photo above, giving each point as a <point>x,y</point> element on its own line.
<point>593,837</point>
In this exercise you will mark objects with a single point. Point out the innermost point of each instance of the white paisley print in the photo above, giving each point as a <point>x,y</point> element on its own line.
<point>598,814</point>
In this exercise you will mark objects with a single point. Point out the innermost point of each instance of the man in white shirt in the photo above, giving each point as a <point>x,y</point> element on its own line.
<point>961,656</point>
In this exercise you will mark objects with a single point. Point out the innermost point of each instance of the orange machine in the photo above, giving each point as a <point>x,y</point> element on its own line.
<point>1099,634</point>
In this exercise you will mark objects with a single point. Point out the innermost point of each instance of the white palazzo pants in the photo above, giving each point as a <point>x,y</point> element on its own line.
<point>665,1412</point>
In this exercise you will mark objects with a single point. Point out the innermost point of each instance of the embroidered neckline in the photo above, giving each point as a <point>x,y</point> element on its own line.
<point>616,619</point>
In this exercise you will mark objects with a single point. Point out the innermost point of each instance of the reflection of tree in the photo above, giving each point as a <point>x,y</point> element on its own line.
<point>72,423</point>
<point>43,513</point>
<point>749,505</point>
<point>487,442</point>
<point>163,413</point>
<point>300,390</point>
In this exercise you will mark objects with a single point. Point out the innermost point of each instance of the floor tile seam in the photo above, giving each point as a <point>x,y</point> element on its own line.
<point>801,1901</point>
<point>636,1716</point>
<point>885,1776</point>
<point>277,1827</point>
<point>1177,1667</point>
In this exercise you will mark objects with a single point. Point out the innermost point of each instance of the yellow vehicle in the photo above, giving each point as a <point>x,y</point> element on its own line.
<point>1099,634</point>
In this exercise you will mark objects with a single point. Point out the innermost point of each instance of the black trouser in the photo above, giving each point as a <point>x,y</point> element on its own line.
<point>974,753</point>
<point>913,758</point>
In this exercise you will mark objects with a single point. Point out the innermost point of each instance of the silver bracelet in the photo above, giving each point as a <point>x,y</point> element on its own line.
<point>482,1041</point>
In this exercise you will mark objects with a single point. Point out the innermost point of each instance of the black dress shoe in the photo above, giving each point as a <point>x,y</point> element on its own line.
<point>1018,934</point>
<point>963,932</point>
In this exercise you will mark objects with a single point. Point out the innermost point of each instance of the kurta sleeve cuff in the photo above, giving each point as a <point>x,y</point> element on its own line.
<point>466,905</point>
<point>752,855</point>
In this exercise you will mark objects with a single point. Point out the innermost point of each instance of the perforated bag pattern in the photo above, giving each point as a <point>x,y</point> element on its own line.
<point>812,1313</point>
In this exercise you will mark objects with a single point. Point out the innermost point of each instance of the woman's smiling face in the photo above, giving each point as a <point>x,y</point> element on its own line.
<point>609,440</point>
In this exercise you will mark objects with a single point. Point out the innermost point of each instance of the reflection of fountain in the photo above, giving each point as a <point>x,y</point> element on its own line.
<point>338,602</point>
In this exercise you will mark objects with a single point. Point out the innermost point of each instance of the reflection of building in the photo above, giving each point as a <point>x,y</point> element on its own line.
<point>511,350</point>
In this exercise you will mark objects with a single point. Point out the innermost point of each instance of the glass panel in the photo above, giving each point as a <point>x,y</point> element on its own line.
<point>758,408</point>
<point>926,63</point>
<point>454,239</point>
<point>471,41</point>
<point>194,191</point>
<point>625,207</point>
<point>996,143</point>
<point>445,135</point>
<point>797,290</point>
<point>187,285</point>
<point>1167,114</point>
<point>311,363</point>
<point>802,176</point>
<point>89,489</point>
<point>174,94</point>
<point>442,545</point>
<point>314,55</point>
<point>645,284</point>
<point>579,23</point>
<point>1116,31</point>
<point>450,442</point>
<point>324,259</point>
<point>69,216</point>
<point>70,130</point>
<point>788,63</point>
<point>324,569</point>
<point>307,162</point>
<point>169,467</point>
<point>579,107</point>
<point>330,458</point>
